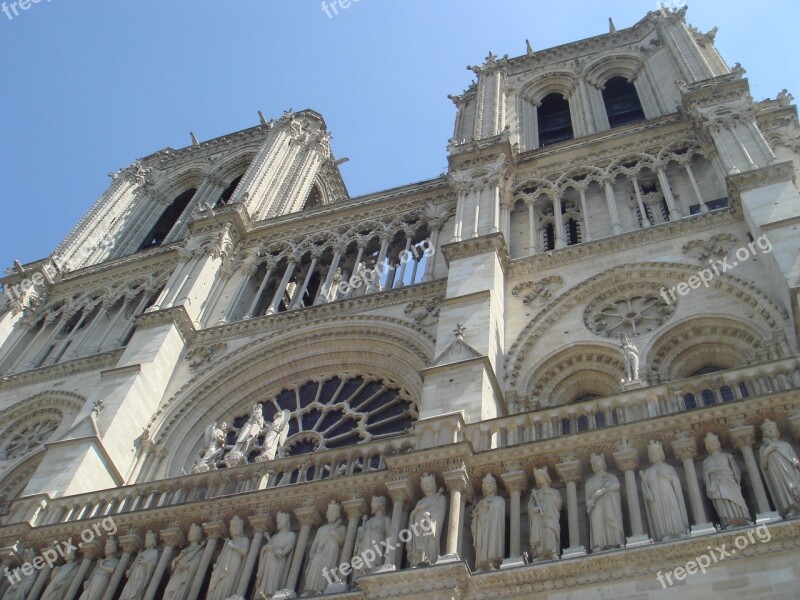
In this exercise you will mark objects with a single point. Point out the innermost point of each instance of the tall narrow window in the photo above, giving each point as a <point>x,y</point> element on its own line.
<point>228,193</point>
<point>548,237</point>
<point>622,102</point>
<point>555,122</point>
<point>167,220</point>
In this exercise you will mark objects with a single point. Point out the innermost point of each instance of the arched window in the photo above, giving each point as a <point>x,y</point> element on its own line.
<point>689,401</point>
<point>727,393</point>
<point>583,423</point>
<point>167,220</point>
<point>228,193</point>
<point>622,102</point>
<point>554,120</point>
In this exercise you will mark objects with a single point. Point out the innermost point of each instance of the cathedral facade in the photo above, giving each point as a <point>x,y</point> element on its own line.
<point>566,368</point>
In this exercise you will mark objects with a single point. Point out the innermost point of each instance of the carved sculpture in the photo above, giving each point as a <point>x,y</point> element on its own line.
<point>604,505</point>
<point>20,589</point>
<point>324,555</point>
<point>723,485</point>
<point>427,514</point>
<point>214,442</point>
<point>96,587</point>
<point>61,578</point>
<point>663,497</point>
<point>544,514</point>
<point>374,530</point>
<point>781,470</point>
<point>489,527</point>
<point>184,566</point>
<point>275,438</point>
<point>142,570</point>
<point>246,438</point>
<point>631,354</point>
<point>275,558</point>
<point>230,562</point>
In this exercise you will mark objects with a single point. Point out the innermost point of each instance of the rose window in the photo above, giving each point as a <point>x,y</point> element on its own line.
<point>336,412</point>
<point>630,314</point>
<point>28,439</point>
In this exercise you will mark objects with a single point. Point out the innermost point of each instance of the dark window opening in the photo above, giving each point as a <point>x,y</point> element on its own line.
<point>706,370</point>
<point>708,398</point>
<point>554,120</point>
<point>167,220</point>
<point>743,390</point>
<point>583,423</point>
<point>314,198</point>
<point>727,394</point>
<point>689,401</point>
<point>228,193</point>
<point>622,102</point>
<point>712,205</point>
<point>573,232</point>
<point>549,237</point>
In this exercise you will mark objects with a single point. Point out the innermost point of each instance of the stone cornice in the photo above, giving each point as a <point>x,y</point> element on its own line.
<point>771,174</point>
<point>493,242</point>
<point>61,370</point>
<point>175,315</point>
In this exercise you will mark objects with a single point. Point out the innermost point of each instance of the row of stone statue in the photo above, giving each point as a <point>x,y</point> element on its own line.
<point>216,453</point>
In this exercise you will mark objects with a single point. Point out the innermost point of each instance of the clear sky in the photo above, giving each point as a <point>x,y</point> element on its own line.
<point>88,86</point>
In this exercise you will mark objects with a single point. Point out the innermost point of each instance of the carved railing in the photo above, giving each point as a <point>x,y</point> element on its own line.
<point>321,465</point>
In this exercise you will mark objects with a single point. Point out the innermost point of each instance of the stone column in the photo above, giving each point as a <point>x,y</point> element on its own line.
<point>434,241</point>
<point>587,235</point>
<point>308,517</point>
<point>628,462</point>
<point>458,484</point>
<point>743,439</point>
<point>570,473</point>
<point>531,229</point>
<point>254,304</point>
<point>90,552</point>
<point>795,421</point>
<point>41,581</point>
<point>516,483</point>
<point>685,450</point>
<point>558,221</point>
<point>611,200</point>
<point>261,524</point>
<point>214,531</point>
<point>404,263</point>
<point>130,544</point>
<point>637,190</point>
<point>276,298</point>
<point>674,209</point>
<point>354,509</point>
<point>696,188</point>
<point>401,493</point>
<point>173,538</point>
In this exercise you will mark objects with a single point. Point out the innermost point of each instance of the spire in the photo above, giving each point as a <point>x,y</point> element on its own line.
<point>195,142</point>
<point>611,28</point>
<point>262,118</point>
<point>528,47</point>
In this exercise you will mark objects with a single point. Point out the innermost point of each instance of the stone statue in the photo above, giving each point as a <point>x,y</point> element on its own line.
<point>631,354</point>
<point>604,505</point>
<point>61,578</point>
<point>430,510</point>
<point>19,590</point>
<point>370,535</point>
<point>324,555</point>
<point>246,438</point>
<point>489,527</point>
<point>142,570</point>
<point>184,566</point>
<point>781,470</point>
<point>95,588</point>
<point>230,562</point>
<point>275,558</point>
<point>544,514</point>
<point>214,443</point>
<point>723,485</point>
<point>275,438</point>
<point>663,497</point>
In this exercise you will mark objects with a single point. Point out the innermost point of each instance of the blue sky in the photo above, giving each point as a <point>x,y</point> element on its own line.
<point>90,85</point>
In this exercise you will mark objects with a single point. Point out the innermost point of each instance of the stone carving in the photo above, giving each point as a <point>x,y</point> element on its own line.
<point>201,356</point>
<point>781,470</point>
<point>61,578</point>
<point>246,438</point>
<point>489,527</point>
<point>428,514</point>
<point>541,289</point>
<point>723,485</point>
<point>717,246</point>
<point>324,555</point>
<point>631,313</point>
<point>20,589</point>
<point>631,354</point>
<point>544,514</point>
<point>275,557</point>
<point>142,570</point>
<point>275,438</point>
<point>425,312</point>
<point>214,442</point>
<point>96,587</point>
<point>371,534</point>
<point>663,497</point>
<point>604,505</point>
<point>228,568</point>
<point>184,566</point>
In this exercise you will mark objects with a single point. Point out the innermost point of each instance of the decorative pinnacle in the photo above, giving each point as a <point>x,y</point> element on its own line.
<point>459,332</point>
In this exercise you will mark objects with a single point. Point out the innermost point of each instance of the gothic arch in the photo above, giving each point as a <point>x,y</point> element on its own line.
<point>616,65</point>
<point>248,375</point>
<point>558,82</point>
